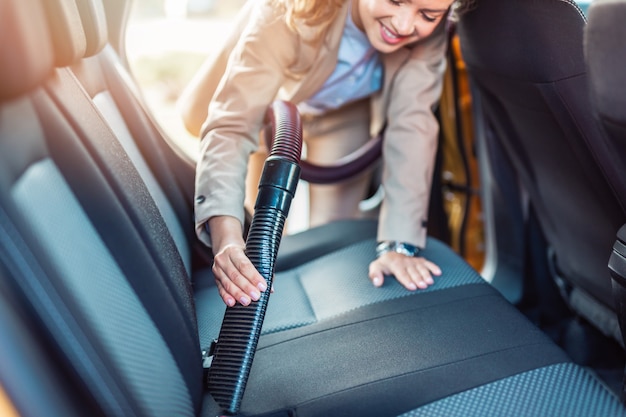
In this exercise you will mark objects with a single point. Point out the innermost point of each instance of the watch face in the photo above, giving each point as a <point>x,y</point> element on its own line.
<point>398,247</point>
<point>405,250</point>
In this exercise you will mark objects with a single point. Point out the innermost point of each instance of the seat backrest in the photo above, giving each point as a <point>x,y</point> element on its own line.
<point>605,54</point>
<point>28,375</point>
<point>167,174</point>
<point>525,60</point>
<point>77,253</point>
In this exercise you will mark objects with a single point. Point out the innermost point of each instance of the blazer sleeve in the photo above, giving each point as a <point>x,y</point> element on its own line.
<point>254,73</point>
<point>410,144</point>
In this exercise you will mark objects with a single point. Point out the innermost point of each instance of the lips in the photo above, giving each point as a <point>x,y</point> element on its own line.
<point>390,37</point>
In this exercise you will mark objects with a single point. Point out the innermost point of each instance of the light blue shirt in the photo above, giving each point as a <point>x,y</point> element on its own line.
<point>358,73</point>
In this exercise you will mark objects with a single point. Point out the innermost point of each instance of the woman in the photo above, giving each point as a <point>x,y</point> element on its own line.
<point>352,67</point>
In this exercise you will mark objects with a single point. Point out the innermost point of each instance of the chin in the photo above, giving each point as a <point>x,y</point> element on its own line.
<point>385,48</point>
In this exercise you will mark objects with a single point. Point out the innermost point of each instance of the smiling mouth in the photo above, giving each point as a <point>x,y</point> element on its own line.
<point>391,37</point>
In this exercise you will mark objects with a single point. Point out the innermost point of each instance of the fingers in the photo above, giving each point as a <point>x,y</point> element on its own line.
<point>237,279</point>
<point>377,272</point>
<point>413,273</point>
<point>417,273</point>
<point>377,279</point>
<point>417,276</point>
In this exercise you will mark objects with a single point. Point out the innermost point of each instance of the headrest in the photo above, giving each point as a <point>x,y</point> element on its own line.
<point>66,31</point>
<point>605,36</point>
<point>26,53</point>
<point>93,17</point>
<point>79,29</point>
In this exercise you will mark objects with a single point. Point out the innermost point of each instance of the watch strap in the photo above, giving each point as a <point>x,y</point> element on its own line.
<point>394,246</point>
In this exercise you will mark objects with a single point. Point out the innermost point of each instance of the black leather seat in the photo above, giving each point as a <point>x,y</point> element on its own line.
<point>87,253</point>
<point>526,64</point>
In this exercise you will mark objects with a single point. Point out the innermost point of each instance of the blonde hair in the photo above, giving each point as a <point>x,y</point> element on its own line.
<point>320,13</point>
<point>313,13</point>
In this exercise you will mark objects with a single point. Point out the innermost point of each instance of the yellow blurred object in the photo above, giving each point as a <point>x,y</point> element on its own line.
<point>460,179</point>
<point>6,406</point>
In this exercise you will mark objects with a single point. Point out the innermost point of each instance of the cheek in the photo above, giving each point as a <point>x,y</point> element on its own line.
<point>424,29</point>
<point>372,10</point>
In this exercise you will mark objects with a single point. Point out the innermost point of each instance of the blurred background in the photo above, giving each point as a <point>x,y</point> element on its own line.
<point>166,42</point>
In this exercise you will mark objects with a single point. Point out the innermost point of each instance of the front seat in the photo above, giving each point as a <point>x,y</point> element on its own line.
<point>525,61</point>
<point>605,56</point>
<point>605,36</point>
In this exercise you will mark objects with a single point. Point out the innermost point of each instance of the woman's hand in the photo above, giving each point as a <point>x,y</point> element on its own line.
<point>236,277</point>
<point>411,272</point>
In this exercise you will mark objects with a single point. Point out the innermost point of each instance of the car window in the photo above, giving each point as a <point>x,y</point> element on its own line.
<point>166,42</point>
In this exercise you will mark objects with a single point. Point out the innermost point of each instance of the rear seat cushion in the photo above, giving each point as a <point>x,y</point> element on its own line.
<point>329,286</point>
<point>391,357</point>
<point>562,390</point>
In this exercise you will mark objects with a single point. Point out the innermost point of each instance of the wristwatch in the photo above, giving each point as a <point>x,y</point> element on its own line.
<point>395,246</point>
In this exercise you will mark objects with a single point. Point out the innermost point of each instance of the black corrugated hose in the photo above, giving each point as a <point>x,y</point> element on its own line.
<point>241,326</point>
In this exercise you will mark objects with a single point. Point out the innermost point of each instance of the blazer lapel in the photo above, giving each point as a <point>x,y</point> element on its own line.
<point>323,55</point>
<point>391,63</point>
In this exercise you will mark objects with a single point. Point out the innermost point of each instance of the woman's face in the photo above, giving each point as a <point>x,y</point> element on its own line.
<point>392,24</point>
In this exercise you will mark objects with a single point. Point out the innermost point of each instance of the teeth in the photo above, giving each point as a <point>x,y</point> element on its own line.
<point>388,33</point>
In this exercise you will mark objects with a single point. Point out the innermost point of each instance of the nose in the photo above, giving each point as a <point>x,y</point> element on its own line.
<point>404,23</point>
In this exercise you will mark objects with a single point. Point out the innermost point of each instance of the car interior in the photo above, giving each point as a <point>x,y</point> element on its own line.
<point>107,299</point>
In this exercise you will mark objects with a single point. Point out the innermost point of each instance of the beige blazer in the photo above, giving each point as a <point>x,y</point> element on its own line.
<point>264,60</point>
